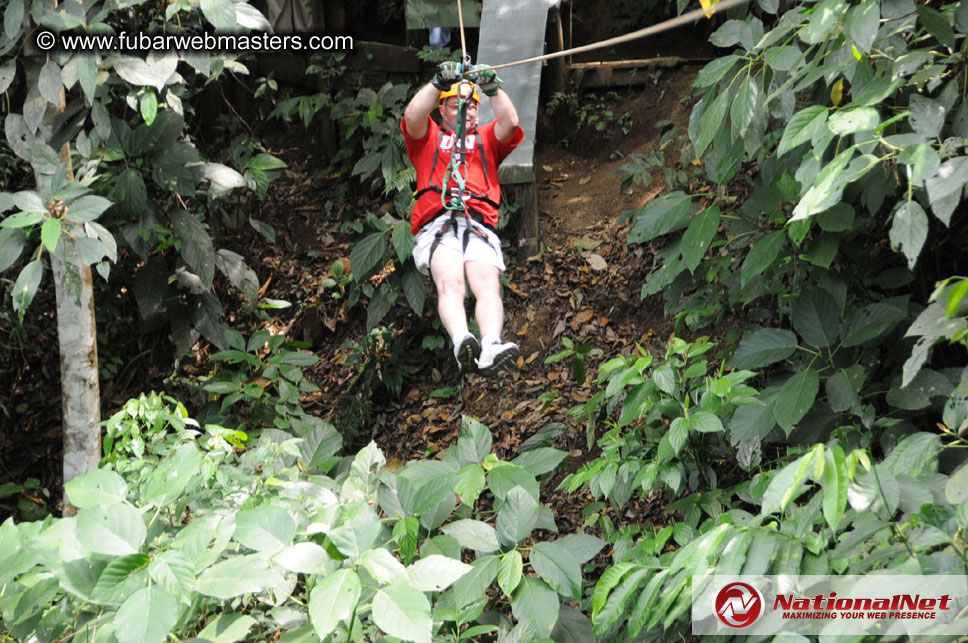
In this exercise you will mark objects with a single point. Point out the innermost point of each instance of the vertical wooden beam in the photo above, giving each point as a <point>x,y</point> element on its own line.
<point>525,196</point>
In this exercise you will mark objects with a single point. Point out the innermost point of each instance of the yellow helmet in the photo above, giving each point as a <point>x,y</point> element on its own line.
<point>461,87</point>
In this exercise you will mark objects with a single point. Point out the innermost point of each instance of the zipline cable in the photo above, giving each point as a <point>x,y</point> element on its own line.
<point>672,23</point>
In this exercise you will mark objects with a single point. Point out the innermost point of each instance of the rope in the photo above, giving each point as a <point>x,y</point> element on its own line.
<point>672,23</point>
<point>460,20</point>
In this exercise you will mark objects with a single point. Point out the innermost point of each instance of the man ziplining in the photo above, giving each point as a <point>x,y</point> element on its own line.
<point>456,210</point>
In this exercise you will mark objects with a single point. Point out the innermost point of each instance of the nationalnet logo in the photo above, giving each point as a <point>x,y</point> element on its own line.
<point>739,604</point>
<point>836,605</point>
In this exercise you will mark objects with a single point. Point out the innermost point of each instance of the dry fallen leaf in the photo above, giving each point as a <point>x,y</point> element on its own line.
<point>597,262</point>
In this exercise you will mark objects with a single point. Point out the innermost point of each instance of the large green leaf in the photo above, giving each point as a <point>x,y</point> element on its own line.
<point>842,387</point>
<point>822,21</point>
<point>122,577</point>
<point>473,534</point>
<point>944,190</point>
<point>802,128</point>
<point>237,576</point>
<point>710,122</point>
<point>402,240</point>
<point>13,17</point>
<point>518,516</point>
<point>470,484</point>
<point>617,601</point>
<point>555,564</point>
<point>141,72</point>
<point>505,477</point>
<point>170,478</point>
<point>366,254</point>
<point>115,530</point>
<point>471,586</point>
<point>147,616</point>
<point>510,574</point>
<point>435,572</point>
<point>764,347</point>
<point>402,611</point>
<point>835,484</point>
<point>849,121</point>
<point>541,460</point>
<point>747,101</point>
<point>12,241</point>
<point>266,528</point>
<point>98,487</point>
<point>583,547</point>
<point>87,208</point>
<point>795,398</point>
<point>827,188</point>
<point>863,22</point>
<point>28,281</point>
<point>197,249</point>
<point>534,601</point>
<point>788,483</point>
<point>332,600</point>
<point>699,236</point>
<point>174,571</point>
<point>474,440</point>
<point>927,116</point>
<point>49,82</point>
<point>714,71</point>
<point>909,231</point>
<point>357,535</point>
<point>227,628</point>
<point>762,255</point>
<point>303,558</point>
<point>383,567</point>
<point>816,316</point>
<point>662,215</point>
<point>937,25</point>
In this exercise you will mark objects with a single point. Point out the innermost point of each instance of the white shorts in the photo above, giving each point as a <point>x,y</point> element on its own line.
<point>477,248</point>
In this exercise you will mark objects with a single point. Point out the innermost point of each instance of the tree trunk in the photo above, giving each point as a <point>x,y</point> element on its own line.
<point>77,337</point>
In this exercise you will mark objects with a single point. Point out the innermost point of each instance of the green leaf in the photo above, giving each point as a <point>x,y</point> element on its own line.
<point>12,241</point>
<point>816,316</point>
<point>662,215</point>
<point>863,22</point>
<point>710,123</point>
<point>822,20</point>
<point>842,390</point>
<point>221,13</point>
<point>142,73</point>
<point>13,18</point>
<point>747,101</point>
<point>555,564</point>
<point>835,484</point>
<point>583,547</point>
<point>927,115</point>
<point>909,231</point>
<point>510,574</point>
<point>358,535</point>
<point>115,530</point>
<point>266,528</point>
<point>615,607</point>
<point>474,440</point>
<point>836,219</point>
<point>473,534</point>
<point>534,601</point>
<point>49,82</point>
<point>518,516</point>
<point>944,190</point>
<point>606,582</point>
<point>383,567</point>
<point>98,487</point>
<point>956,489</point>
<point>303,558</point>
<point>147,616</point>
<point>795,398</point>
<point>937,25</point>
<point>470,484</point>
<point>120,579</point>
<point>471,586</point>
<point>872,320</point>
<point>401,611</point>
<point>764,347</point>
<point>541,460</point>
<point>332,600</point>
<point>849,121</point>
<point>22,219</point>
<point>402,240</point>
<point>435,572</point>
<point>196,249</point>
<point>802,128</point>
<point>786,484</point>
<point>826,189</point>
<point>170,478</point>
<point>414,289</point>
<point>367,254</point>
<point>714,71</point>
<point>699,236</point>
<point>87,208</point>
<point>923,159</point>
<point>505,477</point>
<point>705,422</point>
<point>927,384</point>
<point>227,628</point>
<point>762,255</point>
<point>265,162</point>
<point>237,576</point>
<point>149,106</point>
<point>174,571</point>
<point>24,289</point>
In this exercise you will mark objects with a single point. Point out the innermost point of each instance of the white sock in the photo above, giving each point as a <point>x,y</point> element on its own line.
<point>490,339</point>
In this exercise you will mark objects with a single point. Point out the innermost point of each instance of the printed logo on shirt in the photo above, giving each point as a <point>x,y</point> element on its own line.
<point>447,142</point>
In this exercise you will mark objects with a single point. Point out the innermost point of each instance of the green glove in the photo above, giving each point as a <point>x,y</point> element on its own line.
<point>447,74</point>
<point>486,78</point>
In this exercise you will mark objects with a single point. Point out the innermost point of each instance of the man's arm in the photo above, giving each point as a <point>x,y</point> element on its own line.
<point>418,109</point>
<point>505,115</point>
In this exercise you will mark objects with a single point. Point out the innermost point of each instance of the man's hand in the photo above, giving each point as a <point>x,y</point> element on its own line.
<point>486,78</point>
<point>447,74</point>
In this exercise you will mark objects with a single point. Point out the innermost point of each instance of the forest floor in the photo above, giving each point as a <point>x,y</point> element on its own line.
<point>583,285</point>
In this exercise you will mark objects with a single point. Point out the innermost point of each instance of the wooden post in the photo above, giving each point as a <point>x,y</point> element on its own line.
<point>525,195</point>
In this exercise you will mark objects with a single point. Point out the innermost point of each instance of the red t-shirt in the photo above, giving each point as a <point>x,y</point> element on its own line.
<point>421,153</point>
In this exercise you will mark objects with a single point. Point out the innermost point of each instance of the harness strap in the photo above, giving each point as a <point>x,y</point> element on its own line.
<point>432,187</point>
<point>473,217</point>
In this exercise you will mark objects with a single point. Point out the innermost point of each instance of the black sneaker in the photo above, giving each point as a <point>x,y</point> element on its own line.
<point>466,351</point>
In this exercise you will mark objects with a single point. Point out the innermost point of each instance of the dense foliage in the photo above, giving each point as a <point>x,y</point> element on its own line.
<point>829,439</point>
